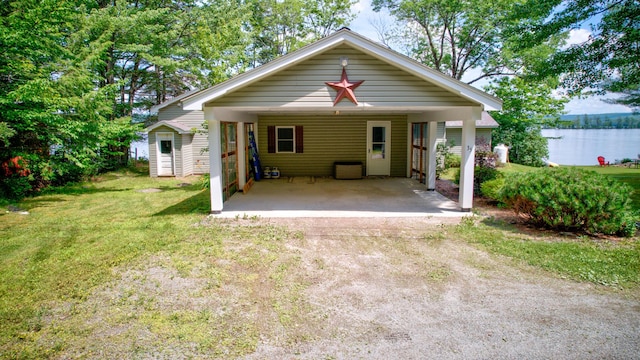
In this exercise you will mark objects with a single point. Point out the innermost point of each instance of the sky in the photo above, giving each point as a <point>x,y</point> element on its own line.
<point>366,17</point>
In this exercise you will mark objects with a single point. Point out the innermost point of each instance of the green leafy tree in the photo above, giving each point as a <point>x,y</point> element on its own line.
<point>523,116</point>
<point>609,61</point>
<point>280,26</point>
<point>461,37</point>
<point>457,36</point>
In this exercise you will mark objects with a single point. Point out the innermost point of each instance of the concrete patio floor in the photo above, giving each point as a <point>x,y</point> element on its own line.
<point>327,197</point>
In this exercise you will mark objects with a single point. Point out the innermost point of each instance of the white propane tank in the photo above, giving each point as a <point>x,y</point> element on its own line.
<point>267,172</point>
<point>501,150</point>
<point>275,173</point>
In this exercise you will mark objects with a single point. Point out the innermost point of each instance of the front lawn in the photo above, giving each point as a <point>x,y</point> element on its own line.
<point>59,264</point>
<point>130,266</point>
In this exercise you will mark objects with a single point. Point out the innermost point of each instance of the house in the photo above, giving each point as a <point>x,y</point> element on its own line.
<point>342,98</point>
<point>484,126</point>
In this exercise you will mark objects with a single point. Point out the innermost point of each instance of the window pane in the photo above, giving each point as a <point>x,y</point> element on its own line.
<point>165,146</point>
<point>378,134</point>
<point>285,145</point>
<point>285,133</point>
<point>377,151</point>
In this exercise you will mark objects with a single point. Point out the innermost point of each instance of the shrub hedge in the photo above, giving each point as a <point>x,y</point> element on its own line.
<point>571,199</point>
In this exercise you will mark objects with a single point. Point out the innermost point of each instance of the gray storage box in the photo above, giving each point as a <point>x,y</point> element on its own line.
<point>347,170</point>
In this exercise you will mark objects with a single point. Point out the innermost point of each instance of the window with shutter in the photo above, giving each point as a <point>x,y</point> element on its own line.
<point>285,139</point>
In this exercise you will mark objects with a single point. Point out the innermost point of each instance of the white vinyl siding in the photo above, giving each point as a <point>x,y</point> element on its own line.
<point>304,85</point>
<point>455,135</point>
<point>199,163</point>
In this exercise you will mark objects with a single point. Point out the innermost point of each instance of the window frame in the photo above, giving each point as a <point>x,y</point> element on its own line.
<point>293,139</point>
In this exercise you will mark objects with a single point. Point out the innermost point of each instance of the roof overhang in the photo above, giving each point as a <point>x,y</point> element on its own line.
<point>174,125</point>
<point>198,99</point>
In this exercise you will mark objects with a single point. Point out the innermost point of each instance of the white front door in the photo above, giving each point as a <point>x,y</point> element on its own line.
<point>379,148</point>
<point>165,153</point>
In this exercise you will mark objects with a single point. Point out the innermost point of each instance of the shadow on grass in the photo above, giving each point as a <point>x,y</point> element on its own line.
<point>197,204</point>
<point>79,190</point>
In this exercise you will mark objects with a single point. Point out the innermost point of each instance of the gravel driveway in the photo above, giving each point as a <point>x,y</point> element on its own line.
<point>388,289</point>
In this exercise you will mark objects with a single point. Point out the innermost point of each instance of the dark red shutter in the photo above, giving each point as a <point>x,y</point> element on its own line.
<point>299,140</point>
<point>271,139</point>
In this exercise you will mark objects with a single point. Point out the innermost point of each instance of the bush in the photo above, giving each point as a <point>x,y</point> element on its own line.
<point>491,188</point>
<point>451,161</point>
<point>571,199</point>
<point>15,187</point>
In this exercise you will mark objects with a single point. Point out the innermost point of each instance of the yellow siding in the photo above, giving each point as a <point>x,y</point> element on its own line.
<point>304,85</point>
<point>331,138</point>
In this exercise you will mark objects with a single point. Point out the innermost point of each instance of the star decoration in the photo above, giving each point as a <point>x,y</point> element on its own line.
<point>345,88</point>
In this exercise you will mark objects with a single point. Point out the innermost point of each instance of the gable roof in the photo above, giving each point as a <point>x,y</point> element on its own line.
<point>196,100</point>
<point>486,122</point>
<point>178,127</point>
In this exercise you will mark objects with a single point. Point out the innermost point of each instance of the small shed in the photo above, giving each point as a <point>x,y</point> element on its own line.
<point>170,149</point>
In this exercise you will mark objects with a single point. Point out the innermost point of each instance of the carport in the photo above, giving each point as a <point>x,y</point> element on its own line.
<point>308,196</point>
<point>295,113</point>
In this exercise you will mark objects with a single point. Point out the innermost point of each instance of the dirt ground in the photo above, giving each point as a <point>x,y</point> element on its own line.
<point>351,288</point>
<point>420,296</point>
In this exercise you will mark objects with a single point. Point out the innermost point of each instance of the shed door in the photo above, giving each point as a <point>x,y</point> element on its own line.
<point>164,142</point>
<point>379,148</point>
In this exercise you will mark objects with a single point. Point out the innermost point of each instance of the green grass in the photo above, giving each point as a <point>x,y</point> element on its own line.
<point>102,267</point>
<point>582,259</point>
<point>105,253</point>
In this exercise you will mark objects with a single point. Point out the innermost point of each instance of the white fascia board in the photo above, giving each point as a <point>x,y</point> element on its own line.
<point>489,103</point>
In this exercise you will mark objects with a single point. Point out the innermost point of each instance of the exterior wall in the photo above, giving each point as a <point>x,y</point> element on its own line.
<point>304,85</point>
<point>455,135</point>
<point>187,154</point>
<point>331,138</point>
<point>193,119</point>
<point>153,154</point>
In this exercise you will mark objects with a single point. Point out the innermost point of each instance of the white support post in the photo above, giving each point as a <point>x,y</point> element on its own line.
<point>241,157</point>
<point>215,166</point>
<point>432,132</point>
<point>467,165</point>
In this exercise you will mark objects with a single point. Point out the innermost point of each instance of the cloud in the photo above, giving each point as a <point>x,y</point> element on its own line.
<point>578,36</point>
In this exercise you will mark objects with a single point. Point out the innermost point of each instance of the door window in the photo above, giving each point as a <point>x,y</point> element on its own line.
<point>165,146</point>
<point>378,137</point>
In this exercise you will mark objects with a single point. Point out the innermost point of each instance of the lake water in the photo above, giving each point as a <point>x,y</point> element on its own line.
<point>583,146</point>
<point>575,146</point>
<point>142,146</point>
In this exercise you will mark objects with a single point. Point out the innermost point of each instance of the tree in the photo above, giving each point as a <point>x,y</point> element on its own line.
<point>71,84</point>
<point>609,61</point>
<point>523,116</point>
<point>281,26</point>
<point>456,36</point>
<point>460,37</point>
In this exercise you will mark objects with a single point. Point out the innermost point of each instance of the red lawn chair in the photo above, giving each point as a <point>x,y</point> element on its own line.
<point>602,162</point>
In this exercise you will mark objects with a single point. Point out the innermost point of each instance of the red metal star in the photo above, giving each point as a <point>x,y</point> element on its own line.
<point>345,88</point>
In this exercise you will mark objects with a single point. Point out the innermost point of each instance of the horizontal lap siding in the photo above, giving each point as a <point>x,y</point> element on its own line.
<point>455,135</point>
<point>193,119</point>
<point>153,155</point>
<point>328,139</point>
<point>304,85</point>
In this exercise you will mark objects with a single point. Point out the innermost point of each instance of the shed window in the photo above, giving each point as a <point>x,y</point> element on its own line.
<point>285,139</point>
